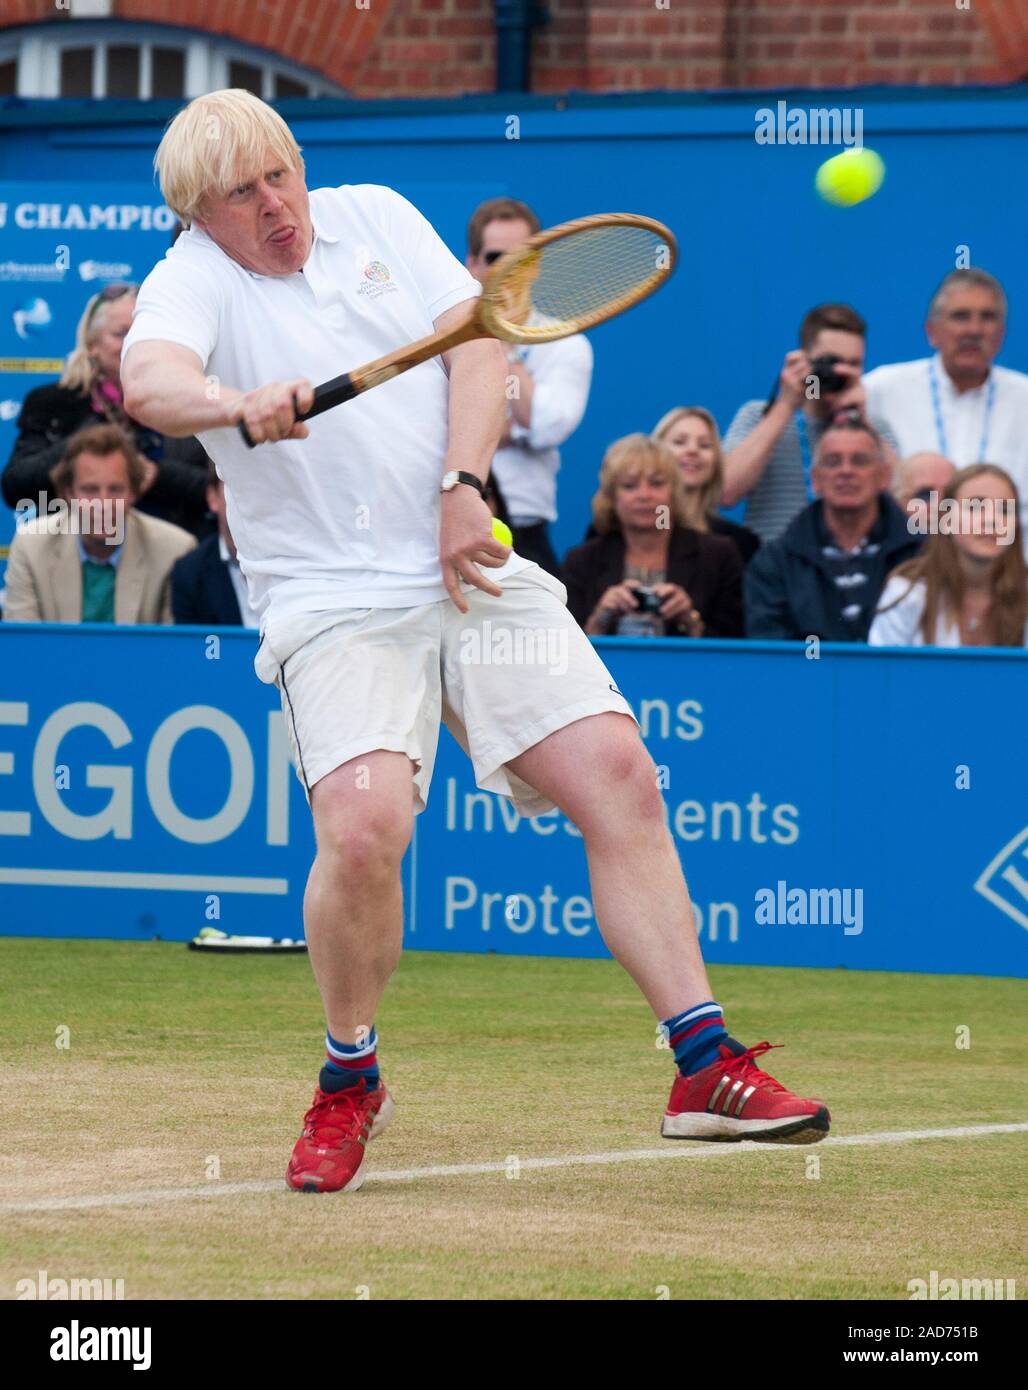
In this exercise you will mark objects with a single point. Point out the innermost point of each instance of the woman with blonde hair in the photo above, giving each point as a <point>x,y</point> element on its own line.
<point>648,572</point>
<point>691,434</point>
<point>89,393</point>
<point>968,587</point>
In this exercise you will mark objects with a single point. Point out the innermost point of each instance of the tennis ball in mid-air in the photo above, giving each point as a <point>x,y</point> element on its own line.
<point>850,177</point>
<point>502,532</point>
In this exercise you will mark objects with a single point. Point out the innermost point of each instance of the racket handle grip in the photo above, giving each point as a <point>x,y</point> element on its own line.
<point>326,396</point>
<point>332,393</point>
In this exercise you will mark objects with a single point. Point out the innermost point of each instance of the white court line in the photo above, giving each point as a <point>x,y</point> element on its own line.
<point>674,1150</point>
<point>182,883</point>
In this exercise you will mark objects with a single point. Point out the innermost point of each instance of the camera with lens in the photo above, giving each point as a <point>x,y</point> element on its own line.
<point>823,368</point>
<point>647,600</point>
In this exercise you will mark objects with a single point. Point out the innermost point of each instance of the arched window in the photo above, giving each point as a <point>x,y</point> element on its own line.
<point>120,58</point>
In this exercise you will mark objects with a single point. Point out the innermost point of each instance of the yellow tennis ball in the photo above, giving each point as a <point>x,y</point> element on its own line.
<point>501,532</point>
<point>850,177</point>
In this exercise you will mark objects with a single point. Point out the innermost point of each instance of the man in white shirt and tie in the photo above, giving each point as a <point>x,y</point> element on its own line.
<point>547,389</point>
<point>958,403</point>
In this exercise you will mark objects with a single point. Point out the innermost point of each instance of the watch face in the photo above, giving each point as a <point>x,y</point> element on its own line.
<point>449,481</point>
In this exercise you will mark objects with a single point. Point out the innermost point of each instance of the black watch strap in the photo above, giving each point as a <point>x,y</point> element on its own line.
<point>472,481</point>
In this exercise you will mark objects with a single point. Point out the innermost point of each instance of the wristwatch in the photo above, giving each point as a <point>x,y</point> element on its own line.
<point>455,476</point>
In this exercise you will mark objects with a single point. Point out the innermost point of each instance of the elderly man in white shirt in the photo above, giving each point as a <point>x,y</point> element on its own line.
<point>361,535</point>
<point>548,389</point>
<point>959,403</point>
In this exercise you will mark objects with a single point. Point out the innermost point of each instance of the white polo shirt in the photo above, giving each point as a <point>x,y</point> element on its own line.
<point>986,425</point>
<point>897,621</point>
<point>349,517</point>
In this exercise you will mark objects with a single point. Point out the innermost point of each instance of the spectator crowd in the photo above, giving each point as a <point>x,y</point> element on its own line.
<point>885,507</point>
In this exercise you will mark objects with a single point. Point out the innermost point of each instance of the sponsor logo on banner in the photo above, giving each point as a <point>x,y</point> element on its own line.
<point>105,270</point>
<point>49,271</point>
<point>1005,882</point>
<point>32,318</point>
<point>10,410</point>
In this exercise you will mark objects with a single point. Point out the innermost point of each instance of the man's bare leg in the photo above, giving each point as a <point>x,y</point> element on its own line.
<point>600,775</point>
<point>353,907</point>
<point>353,915</point>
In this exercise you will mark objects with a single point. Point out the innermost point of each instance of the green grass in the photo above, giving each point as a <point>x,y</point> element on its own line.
<point>178,1059</point>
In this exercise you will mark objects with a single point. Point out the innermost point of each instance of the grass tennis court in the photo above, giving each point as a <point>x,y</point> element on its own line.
<point>175,1061</point>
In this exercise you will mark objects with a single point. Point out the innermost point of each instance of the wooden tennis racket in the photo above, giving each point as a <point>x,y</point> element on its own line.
<point>556,283</point>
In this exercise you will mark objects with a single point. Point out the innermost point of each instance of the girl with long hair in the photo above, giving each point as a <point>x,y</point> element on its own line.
<point>969,585</point>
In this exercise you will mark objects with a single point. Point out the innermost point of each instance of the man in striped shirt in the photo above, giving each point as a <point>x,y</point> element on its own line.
<point>770,447</point>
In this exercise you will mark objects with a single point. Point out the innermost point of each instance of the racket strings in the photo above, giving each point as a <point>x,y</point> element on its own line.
<point>582,278</point>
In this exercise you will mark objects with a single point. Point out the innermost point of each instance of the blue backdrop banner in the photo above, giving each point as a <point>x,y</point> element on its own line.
<point>833,807</point>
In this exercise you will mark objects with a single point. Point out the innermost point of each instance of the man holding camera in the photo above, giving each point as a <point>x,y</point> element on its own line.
<point>770,446</point>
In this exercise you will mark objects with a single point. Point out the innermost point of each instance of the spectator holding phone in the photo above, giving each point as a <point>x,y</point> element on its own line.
<point>968,587</point>
<point>648,572</point>
<point>770,446</point>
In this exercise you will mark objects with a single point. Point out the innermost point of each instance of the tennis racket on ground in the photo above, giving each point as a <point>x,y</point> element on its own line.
<point>556,283</point>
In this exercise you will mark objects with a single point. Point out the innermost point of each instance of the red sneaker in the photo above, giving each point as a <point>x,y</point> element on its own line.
<point>733,1099</point>
<point>330,1151</point>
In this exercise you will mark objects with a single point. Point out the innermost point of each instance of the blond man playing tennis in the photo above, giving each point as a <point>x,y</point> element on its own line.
<point>368,553</point>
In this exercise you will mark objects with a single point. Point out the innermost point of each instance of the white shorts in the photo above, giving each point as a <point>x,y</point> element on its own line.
<point>502,676</point>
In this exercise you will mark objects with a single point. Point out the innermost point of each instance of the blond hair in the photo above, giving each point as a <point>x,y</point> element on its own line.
<point>79,370</point>
<point>703,502</point>
<point>216,142</point>
<point>633,454</point>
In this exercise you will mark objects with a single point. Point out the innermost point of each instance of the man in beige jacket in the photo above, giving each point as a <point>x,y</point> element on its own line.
<point>92,557</point>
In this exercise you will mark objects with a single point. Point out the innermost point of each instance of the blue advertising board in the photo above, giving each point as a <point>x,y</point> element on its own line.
<point>145,790</point>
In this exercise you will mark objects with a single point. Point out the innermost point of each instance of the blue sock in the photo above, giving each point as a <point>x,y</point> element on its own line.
<point>696,1035</point>
<point>347,1065</point>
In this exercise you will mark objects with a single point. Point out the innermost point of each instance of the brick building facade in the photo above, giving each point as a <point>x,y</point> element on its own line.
<point>435,48</point>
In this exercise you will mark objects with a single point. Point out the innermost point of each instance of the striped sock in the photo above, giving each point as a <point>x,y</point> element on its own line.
<point>695,1035</point>
<point>346,1065</point>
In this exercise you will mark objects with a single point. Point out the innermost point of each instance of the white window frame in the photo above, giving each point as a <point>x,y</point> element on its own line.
<point>207,58</point>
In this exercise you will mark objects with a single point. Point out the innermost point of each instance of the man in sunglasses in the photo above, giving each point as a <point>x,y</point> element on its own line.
<point>547,392</point>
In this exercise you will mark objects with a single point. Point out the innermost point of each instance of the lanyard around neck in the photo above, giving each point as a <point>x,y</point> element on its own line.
<point>940,425</point>
<point>804,434</point>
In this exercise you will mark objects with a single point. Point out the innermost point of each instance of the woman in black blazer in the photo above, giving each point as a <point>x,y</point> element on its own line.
<point>89,393</point>
<point>691,434</point>
<point>647,573</point>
